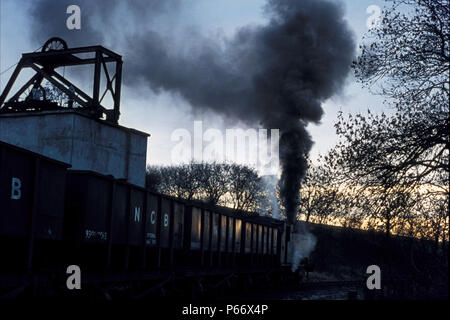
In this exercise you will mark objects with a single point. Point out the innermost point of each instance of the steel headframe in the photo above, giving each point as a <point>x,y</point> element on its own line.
<point>44,64</point>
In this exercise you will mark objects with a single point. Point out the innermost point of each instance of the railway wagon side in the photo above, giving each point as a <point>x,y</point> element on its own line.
<point>218,237</point>
<point>262,241</point>
<point>115,225</point>
<point>32,192</point>
<point>111,224</point>
<point>255,244</point>
<point>212,237</point>
<point>171,233</point>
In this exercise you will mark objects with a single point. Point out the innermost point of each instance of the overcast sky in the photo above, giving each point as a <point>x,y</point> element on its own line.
<point>160,114</point>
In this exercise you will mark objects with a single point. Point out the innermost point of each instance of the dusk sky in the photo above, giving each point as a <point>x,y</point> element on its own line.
<point>160,113</point>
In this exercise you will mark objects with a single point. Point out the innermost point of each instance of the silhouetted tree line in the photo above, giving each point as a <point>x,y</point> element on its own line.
<point>233,185</point>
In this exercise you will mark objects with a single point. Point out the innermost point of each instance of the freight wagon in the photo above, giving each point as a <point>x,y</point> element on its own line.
<point>32,193</point>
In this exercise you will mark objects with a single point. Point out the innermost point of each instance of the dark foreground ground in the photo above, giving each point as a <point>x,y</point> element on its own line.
<point>315,289</point>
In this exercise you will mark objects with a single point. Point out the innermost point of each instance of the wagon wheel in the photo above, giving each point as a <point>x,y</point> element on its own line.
<point>54,44</point>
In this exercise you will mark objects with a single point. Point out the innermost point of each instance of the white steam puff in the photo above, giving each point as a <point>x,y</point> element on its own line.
<point>270,182</point>
<point>301,246</point>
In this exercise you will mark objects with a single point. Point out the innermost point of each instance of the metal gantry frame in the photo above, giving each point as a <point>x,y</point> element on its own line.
<point>44,64</point>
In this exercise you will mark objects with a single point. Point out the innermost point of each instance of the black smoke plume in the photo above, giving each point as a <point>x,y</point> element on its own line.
<point>275,75</point>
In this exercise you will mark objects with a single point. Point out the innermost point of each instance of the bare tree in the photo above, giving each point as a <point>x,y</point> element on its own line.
<point>178,181</point>
<point>407,57</point>
<point>244,187</point>
<point>153,179</point>
<point>392,156</point>
<point>406,60</point>
<point>320,195</point>
<point>213,181</point>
